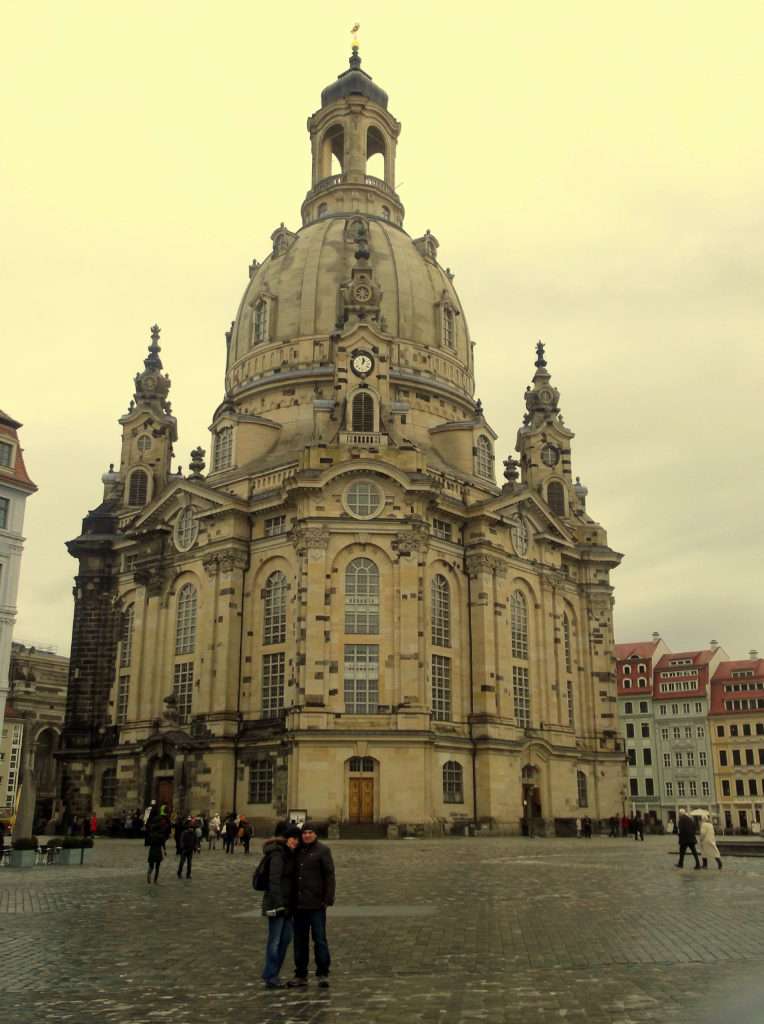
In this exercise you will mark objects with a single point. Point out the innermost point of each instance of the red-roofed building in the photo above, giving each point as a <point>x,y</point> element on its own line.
<point>15,488</point>
<point>737,737</point>
<point>634,678</point>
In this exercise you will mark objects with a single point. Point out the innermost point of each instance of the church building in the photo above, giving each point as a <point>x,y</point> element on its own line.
<point>344,613</point>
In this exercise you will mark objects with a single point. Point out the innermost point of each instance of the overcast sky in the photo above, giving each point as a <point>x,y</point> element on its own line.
<point>594,174</point>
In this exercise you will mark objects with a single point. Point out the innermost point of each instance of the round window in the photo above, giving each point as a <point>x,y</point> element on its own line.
<point>363,499</point>
<point>186,529</point>
<point>144,443</point>
<point>519,534</point>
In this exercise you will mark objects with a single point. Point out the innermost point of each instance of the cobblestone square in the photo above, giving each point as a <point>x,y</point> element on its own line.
<point>507,930</point>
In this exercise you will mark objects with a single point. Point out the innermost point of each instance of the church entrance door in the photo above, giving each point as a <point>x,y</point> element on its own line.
<point>164,793</point>
<point>361,800</point>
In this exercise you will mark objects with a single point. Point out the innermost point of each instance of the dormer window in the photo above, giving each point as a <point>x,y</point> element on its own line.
<point>448,328</point>
<point>223,454</point>
<point>323,210</point>
<point>385,213</point>
<point>144,443</point>
<point>483,458</point>
<point>261,321</point>
<point>6,454</point>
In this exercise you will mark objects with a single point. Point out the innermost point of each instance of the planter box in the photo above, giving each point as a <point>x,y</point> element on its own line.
<point>72,856</point>
<point>23,858</point>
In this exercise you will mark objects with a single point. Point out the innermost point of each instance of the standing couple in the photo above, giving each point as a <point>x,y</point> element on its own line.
<point>299,888</point>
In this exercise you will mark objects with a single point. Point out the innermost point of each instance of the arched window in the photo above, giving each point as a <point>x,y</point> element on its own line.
<point>555,496</point>
<point>521,691</point>
<point>223,448</point>
<point>453,783</point>
<point>441,612</point>
<point>108,787</point>
<point>126,637</point>
<point>448,327</point>
<point>362,419</point>
<point>186,528</point>
<point>385,213</point>
<point>123,696</point>
<point>185,625</point>
<point>261,315</point>
<point>323,209</point>
<point>144,443</point>
<point>139,487</point>
<point>275,609</point>
<point>566,642</point>
<point>583,794</point>
<point>519,616</point>
<point>483,458</point>
<point>362,597</point>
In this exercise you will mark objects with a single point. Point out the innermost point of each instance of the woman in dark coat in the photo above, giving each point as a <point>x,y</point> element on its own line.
<point>156,840</point>
<point>279,901</point>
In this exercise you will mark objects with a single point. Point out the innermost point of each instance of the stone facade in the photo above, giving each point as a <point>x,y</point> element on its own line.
<point>37,691</point>
<point>15,488</point>
<point>346,615</point>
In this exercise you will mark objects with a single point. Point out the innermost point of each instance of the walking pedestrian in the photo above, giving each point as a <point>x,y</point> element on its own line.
<point>156,840</point>
<point>186,847</point>
<point>245,834</point>
<point>279,899</point>
<point>708,847</point>
<point>578,828</point>
<point>639,827</point>
<point>613,834</point>
<point>687,838</point>
<point>229,833</point>
<point>214,831</point>
<point>587,827</point>
<point>315,892</point>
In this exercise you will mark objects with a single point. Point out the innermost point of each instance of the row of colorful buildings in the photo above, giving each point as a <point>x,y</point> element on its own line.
<point>693,730</point>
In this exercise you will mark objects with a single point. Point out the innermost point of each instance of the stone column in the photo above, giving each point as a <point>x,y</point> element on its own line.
<point>412,670</point>
<point>480,570</point>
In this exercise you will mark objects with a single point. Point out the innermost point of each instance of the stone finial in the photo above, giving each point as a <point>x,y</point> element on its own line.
<point>197,464</point>
<point>152,360</point>
<point>511,470</point>
<point>540,361</point>
<point>478,407</point>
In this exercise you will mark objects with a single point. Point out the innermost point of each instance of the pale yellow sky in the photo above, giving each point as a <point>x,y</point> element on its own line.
<point>593,172</point>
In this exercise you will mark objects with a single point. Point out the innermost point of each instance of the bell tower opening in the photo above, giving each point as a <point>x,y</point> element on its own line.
<point>332,152</point>
<point>376,154</point>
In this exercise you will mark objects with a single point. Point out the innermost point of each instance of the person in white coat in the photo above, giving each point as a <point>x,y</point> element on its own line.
<point>708,847</point>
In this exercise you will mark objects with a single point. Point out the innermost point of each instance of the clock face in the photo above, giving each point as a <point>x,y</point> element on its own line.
<point>550,455</point>
<point>362,364</point>
<point>362,293</point>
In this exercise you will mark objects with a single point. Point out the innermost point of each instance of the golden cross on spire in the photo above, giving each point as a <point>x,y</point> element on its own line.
<point>354,32</point>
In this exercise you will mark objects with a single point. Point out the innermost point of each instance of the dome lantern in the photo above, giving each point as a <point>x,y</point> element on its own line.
<point>352,125</point>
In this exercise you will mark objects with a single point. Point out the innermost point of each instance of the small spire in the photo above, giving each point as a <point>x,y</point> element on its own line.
<point>540,361</point>
<point>152,360</point>
<point>197,464</point>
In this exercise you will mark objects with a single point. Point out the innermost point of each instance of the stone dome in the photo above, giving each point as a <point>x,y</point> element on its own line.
<point>302,284</point>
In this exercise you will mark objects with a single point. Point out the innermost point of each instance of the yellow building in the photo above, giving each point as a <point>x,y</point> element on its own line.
<point>346,614</point>
<point>737,738</point>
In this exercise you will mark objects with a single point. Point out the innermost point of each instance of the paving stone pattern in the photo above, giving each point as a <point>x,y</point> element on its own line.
<point>460,930</point>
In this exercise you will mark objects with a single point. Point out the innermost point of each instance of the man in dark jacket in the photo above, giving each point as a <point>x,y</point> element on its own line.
<point>315,892</point>
<point>279,900</point>
<point>687,838</point>
<point>186,847</point>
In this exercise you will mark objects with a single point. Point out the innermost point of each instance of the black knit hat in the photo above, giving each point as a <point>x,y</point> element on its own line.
<point>292,832</point>
<point>308,826</point>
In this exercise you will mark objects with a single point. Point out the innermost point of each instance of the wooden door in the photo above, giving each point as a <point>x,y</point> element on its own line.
<point>164,793</point>
<point>361,804</point>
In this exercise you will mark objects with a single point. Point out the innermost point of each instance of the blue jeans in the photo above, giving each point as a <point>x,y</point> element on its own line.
<point>305,922</point>
<point>279,937</point>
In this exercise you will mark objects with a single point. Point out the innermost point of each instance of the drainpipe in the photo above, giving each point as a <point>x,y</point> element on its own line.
<point>237,734</point>
<point>472,698</point>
